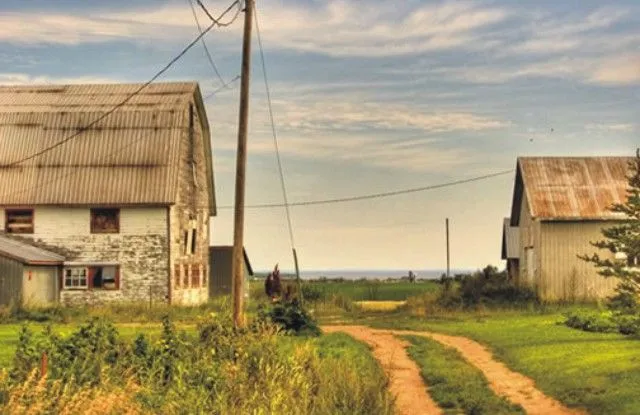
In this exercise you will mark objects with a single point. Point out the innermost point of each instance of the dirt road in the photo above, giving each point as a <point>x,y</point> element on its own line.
<point>405,382</point>
<point>409,389</point>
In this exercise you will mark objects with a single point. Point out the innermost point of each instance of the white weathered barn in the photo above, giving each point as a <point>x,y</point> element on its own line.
<point>560,205</point>
<point>125,198</point>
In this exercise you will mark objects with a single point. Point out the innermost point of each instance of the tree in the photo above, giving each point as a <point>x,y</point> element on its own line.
<point>623,241</point>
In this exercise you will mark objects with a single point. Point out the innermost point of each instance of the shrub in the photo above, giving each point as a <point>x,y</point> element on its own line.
<point>595,321</point>
<point>291,316</point>
<point>485,287</point>
<point>219,370</point>
<point>312,292</point>
<point>628,324</point>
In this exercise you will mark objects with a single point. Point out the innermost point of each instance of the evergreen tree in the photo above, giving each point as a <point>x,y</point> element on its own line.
<point>623,241</point>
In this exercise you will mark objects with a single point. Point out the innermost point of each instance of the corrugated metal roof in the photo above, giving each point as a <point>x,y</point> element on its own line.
<point>97,97</point>
<point>570,188</point>
<point>27,254</point>
<point>130,157</point>
<point>510,240</point>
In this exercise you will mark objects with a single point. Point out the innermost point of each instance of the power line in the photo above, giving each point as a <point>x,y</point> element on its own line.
<point>273,131</point>
<point>217,21</point>
<point>214,92</point>
<point>377,195</point>
<point>204,44</point>
<point>133,94</point>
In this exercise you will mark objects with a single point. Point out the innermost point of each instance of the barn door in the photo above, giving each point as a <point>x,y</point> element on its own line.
<point>39,285</point>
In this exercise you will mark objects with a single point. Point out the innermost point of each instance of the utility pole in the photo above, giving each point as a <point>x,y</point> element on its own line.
<point>241,164</point>
<point>447,229</point>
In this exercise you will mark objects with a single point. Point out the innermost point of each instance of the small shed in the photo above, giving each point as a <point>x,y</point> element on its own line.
<point>220,264</point>
<point>28,275</point>
<point>511,248</point>
<point>560,205</point>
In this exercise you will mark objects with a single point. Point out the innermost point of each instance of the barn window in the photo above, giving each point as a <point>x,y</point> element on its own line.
<point>19,221</point>
<point>190,240</point>
<point>76,278</point>
<point>105,220</point>
<point>92,277</point>
<point>105,278</point>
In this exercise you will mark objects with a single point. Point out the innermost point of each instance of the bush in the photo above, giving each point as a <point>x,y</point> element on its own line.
<point>603,322</point>
<point>220,370</point>
<point>485,287</point>
<point>594,321</point>
<point>291,316</point>
<point>312,292</point>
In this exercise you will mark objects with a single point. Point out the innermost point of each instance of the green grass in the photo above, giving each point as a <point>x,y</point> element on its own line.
<point>596,371</point>
<point>455,385</point>
<point>362,290</point>
<point>357,383</point>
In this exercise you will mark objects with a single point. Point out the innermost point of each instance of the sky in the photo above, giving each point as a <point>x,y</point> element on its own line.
<point>368,97</point>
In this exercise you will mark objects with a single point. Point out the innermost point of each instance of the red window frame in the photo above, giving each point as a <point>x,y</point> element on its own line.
<point>91,272</point>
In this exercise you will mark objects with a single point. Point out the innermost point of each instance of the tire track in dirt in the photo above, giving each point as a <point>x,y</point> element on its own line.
<point>405,382</point>
<point>503,381</point>
<point>405,377</point>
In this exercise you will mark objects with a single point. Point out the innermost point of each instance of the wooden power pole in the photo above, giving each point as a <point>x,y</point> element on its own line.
<point>447,230</point>
<point>241,164</point>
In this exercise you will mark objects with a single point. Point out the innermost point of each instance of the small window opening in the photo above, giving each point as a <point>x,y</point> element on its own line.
<point>19,221</point>
<point>105,220</point>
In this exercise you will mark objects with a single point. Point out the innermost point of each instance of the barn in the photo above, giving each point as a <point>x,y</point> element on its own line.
<point>221,261</point>
<point>117,179</point>
<point>560,205</point>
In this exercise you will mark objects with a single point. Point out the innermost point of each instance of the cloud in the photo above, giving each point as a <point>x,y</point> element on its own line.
<point>342,28</point>
<point>624,70</point>
<point>25,79</point>
<point>602,70</point>
<point>354,115</point>
<point>172,21</point>
<point>549,33</point>
<point>418,156</point>
<point>334,27</point>
<point>619,128</point>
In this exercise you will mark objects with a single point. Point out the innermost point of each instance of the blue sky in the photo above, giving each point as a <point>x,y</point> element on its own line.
<point>369,96</point>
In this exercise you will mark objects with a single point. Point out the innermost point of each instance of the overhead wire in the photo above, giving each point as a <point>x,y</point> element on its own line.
<point>377,195</point>
<point>273,131</point>
<point>117,106</point>
<point>204,43</point>
<point>217,90</point>
<point>128,98</point>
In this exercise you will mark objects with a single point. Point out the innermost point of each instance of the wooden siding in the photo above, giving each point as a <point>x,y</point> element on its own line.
<point>10,281</point>
<point>562,274</point>
<point>529,237</point>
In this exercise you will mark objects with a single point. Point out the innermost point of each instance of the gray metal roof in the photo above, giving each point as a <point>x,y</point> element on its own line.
<point>130,157</point>
<point>510,240</point>
<point>27,254</point>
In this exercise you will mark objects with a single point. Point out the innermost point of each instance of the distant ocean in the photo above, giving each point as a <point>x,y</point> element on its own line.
<point>357,274</point>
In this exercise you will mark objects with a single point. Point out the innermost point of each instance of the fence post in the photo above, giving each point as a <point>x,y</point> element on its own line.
<point>43,365</point>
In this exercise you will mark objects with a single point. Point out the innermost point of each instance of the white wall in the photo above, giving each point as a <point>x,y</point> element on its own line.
<point>141,248</point>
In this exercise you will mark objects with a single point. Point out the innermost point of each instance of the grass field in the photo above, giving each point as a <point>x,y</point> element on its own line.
<point>454,384</point>
<point>598,372</point>
<point>362,290</point>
